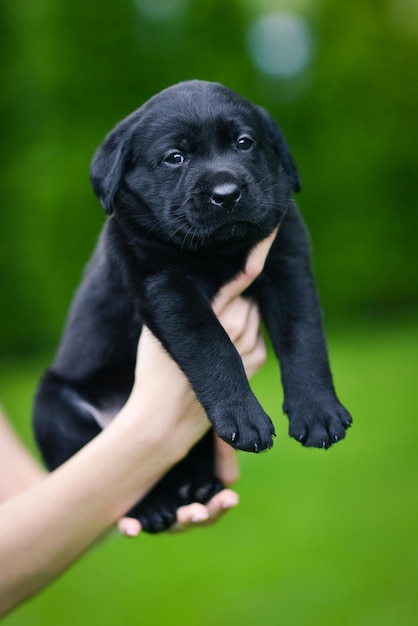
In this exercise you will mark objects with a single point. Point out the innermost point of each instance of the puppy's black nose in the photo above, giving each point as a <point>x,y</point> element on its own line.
<point>226,195</point>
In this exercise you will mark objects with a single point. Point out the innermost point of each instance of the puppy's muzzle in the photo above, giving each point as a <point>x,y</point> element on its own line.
<point>226,195</point>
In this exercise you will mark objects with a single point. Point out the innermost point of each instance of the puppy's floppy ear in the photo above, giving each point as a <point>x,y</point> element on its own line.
<point>276,137</point>
<point>107,166</point>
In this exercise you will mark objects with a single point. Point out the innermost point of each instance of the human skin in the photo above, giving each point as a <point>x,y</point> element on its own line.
<point>52,520</point>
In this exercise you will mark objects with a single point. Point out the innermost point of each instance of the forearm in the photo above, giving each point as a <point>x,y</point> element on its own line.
<point>18,470</point>
<point>43,530</point>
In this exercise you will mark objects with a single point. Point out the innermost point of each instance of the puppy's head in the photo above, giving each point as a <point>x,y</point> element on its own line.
<point>198,166</point>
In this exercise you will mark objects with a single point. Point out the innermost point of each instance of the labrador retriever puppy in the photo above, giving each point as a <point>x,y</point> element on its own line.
<point>190,182</point>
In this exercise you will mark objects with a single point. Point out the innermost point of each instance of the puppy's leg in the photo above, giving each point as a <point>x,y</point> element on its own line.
<point>191,480</point>
<point>63,422</point>
<point>290,307</point>
<point>181,317</point>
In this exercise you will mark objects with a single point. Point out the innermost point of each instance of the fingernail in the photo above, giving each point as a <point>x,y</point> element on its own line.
<point>129,527</point>
<point>230,503</point>
<point>131,532</point>
<point>199,517</point>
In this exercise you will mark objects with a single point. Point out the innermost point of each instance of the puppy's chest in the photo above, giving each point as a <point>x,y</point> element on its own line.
<point>211,272</point>
<point>147,260</point>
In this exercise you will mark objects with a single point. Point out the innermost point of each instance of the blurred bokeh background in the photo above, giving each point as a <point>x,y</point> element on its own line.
<point>320,538</point>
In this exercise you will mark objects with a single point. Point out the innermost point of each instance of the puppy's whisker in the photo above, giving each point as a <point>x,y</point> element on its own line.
<point>185,237</point>
<point>179,219</point>
<point>151,226</point>
<point>174,233</point>
<point>268,177</point>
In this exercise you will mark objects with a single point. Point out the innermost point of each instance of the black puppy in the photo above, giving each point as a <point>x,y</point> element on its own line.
<point>190,182</point>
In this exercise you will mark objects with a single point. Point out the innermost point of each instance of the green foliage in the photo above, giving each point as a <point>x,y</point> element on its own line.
<point>71,70</point>
<point>320,538</point>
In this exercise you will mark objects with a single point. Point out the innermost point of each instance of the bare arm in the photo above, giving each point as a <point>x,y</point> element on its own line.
<point>48,526</point>
<point>18,470</point>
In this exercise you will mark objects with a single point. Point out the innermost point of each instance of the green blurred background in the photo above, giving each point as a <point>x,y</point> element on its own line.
<point>319,538</point>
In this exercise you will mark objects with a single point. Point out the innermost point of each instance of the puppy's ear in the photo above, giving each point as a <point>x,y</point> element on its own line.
<point>276,137</point>
<point>107,166</point>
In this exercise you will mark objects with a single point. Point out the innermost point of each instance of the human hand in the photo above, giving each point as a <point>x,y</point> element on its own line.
<point>241,319</point>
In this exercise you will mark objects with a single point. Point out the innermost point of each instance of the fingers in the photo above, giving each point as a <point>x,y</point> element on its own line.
<point>237,315</point>
<point>222,502</point>
<point>129,526</point>
<point>195,515</point>
<point>226,464</point>
<point>250,342</point>
<point>190,516</point>
<point>258,256</point>
<point>241,320</point>
<point>255,359</point>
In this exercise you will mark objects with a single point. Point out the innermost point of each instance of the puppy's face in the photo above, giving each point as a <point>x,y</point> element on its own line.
<point>198,166</point>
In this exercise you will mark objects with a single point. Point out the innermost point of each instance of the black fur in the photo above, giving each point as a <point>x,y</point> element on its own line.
<point>191,181</point>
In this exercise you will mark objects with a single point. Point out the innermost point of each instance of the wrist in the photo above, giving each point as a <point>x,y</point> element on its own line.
<point>166,427</point>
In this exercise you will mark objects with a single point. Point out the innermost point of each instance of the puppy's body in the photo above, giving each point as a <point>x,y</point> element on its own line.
<point>191,182</point>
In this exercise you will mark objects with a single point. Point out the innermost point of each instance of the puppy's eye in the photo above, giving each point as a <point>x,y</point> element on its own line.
<point>245,143</point>
<point>175,158</point>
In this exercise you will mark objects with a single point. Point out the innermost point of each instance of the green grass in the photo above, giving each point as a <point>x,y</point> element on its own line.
<point>320,537</point>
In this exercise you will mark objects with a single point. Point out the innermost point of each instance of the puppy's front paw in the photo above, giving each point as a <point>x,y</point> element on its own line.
<point>319,423</point>
<point>244,425</point>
